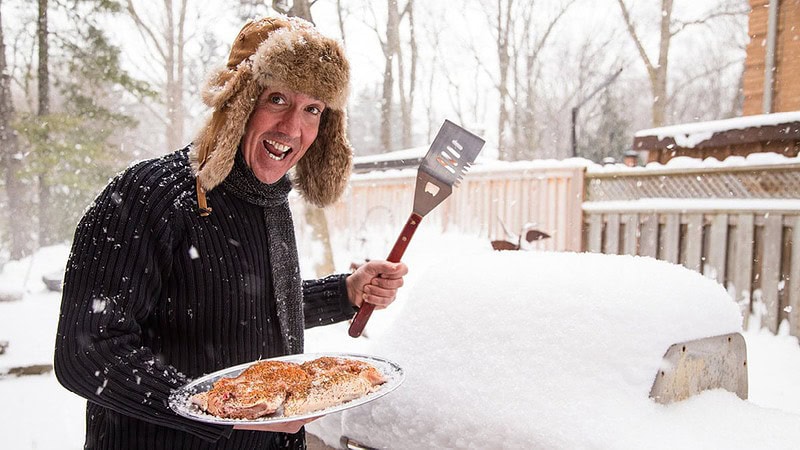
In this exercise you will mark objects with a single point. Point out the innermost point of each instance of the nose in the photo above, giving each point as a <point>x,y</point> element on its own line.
<point>289,123</point>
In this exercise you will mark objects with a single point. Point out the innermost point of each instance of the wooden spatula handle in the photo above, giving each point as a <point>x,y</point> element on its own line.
<point>361,318</point>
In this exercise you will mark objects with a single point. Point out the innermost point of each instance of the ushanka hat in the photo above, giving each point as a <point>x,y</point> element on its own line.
<point>287,52</point>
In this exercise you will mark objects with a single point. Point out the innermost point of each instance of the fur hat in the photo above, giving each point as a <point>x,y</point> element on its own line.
<point>277,51</point>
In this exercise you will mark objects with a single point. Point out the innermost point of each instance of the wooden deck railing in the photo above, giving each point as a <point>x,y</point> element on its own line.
<point>486,201</point>
<point>748,250</point>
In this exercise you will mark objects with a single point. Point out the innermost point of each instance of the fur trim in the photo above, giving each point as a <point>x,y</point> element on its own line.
<point>329,152</point>
<point>288,52</point>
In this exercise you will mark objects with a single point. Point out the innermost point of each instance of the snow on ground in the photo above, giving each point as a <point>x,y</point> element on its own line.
<point>565,321</point>
<point>556,350</point>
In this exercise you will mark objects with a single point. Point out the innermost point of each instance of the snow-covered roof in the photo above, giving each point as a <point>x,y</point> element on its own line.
<point>689,135</point>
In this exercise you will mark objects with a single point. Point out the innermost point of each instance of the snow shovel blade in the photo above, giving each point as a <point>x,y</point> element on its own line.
<point>451,153</point>
<point>688,368</point>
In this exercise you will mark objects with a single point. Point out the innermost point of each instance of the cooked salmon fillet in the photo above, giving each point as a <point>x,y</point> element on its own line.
<point>263,388</point>
<point>355,367</point>
<point>333,381</point>
<point>258,391</point>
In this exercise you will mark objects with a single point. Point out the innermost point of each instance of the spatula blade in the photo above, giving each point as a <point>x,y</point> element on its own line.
<point>451,153</point>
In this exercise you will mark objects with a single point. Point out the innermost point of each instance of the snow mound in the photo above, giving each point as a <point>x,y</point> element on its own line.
<point>533,350</point>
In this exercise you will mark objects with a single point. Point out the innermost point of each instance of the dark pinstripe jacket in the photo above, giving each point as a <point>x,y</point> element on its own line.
<point>155,295</point>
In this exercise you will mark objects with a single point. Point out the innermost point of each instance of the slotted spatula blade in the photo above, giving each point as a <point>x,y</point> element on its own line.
<point>451,153</point>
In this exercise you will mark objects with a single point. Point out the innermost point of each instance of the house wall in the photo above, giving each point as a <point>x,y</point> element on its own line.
<point>786,89</point>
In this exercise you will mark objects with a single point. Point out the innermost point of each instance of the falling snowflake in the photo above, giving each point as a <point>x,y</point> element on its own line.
<point>99,305</point>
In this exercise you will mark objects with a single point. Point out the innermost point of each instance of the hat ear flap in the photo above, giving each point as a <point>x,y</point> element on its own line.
<point>330,152</point>
<point>215,146</point>
<point>222,84</point>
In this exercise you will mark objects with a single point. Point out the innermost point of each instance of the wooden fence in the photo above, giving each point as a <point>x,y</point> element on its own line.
<point>749,250</point>
<point>549,198</point>
<point>736,225</point>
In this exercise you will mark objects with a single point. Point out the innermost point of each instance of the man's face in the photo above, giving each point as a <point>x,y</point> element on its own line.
<point>282,126</point>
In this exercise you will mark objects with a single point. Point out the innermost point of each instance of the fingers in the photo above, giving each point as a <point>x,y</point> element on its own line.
<point>387,269</point>
<point>376,282</point>
<point>381,292</point>
<point>379,297</point>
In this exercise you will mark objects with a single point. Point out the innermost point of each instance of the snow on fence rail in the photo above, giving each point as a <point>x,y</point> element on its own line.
<point>744,243</point>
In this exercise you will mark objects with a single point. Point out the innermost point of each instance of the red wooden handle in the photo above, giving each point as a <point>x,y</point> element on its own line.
<point>362,316</point>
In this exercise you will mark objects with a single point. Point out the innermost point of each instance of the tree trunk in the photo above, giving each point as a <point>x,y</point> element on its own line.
<point>660,84</point>
<point>299,8</point>
<point>503,25</point>
<point>340,16</point>
<point>169,41</point>
<point>43,77</point>
<point>658,72</point>
<point>390,49</point>
<point>408,123</point>
<point>10,164</point>
<point>174,64</point>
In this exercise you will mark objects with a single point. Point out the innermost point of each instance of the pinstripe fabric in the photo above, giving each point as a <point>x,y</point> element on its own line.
<point>155,295</point>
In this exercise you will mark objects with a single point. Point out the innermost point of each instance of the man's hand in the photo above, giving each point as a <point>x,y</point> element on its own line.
<point>376,282</point>
<point>283,427</point>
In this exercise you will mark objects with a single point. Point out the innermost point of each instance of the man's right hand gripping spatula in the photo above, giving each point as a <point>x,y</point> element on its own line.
<point>451,153</point>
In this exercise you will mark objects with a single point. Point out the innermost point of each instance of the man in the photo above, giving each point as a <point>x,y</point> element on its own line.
<point>187,264</point>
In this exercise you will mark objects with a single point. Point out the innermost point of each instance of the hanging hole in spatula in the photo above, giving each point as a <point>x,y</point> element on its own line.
<point>432,189</point>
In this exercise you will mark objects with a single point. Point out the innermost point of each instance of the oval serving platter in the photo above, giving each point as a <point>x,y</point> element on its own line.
<point>180,398</point>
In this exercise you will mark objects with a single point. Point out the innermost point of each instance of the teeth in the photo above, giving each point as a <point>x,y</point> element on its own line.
<point>284,149</point>
<point>280,147</point>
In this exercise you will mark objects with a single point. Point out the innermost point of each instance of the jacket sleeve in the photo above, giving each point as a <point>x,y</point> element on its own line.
<point>120,254</point>
<point>325,301</point>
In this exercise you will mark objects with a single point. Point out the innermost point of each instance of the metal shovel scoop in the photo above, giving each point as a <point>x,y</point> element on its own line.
<point>450,155</point>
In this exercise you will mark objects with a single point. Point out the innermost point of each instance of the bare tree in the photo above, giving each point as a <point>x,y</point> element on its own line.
<point>527,48</point>
<point>518,49</point>
<point>167,42</point>
<point>43,79</point>
<point>340,15</point>
<point>503,27</point>
<point>394,73</point>
<point>657,70</point>
<point>10,163</point>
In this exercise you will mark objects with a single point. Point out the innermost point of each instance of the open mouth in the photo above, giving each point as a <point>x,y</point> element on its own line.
<point>276,150</point>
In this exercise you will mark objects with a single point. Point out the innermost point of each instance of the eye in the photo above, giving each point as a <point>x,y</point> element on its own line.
<point>277,99</point>
<point>315,110</point>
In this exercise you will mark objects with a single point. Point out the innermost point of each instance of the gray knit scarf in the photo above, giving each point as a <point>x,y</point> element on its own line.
<point>283,261</point>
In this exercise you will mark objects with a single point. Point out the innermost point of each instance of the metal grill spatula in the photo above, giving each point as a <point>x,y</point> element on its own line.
<point>450,155</point>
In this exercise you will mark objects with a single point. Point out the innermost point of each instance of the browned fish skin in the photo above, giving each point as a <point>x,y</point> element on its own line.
<point>258,391</point>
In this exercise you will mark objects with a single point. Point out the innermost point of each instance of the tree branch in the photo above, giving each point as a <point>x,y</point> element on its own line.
<point>144,30</point>
<point>632,32</point>
<point>704,21</point>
